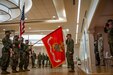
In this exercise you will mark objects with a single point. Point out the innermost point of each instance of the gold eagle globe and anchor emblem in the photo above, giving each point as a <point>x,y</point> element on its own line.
<point>58,47</point>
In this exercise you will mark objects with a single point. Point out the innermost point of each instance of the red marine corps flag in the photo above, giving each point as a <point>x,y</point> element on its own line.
<point>55,47</point>
<point>22,26</point>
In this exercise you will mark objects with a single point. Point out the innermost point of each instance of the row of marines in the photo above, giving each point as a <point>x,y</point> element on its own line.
<point>17,51</point>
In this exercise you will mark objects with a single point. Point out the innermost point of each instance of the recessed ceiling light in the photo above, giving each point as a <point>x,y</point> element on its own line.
<point>59,26</point>
<point>25,18</point>
<point>29,27</point>
<point>67,30</point>
<point>4,29</point>
<point>54,16</point>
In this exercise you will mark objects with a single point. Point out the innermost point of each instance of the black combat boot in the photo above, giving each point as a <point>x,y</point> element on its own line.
<point>21,70</point>
<point>5,72</point>
<point>15,71</point>
<point>27,70</point>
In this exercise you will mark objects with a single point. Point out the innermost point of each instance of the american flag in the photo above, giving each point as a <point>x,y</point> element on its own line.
<point>22,21</point>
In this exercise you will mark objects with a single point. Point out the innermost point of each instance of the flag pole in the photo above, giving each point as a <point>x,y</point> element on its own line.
<point>20,27</point>
<point>19,31</point>
<point>41,39</point>
<point>28,36</point>
<point>37,42</point>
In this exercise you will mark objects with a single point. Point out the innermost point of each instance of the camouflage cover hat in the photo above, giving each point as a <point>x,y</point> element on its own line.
<point>109,20</point>
<point>68,35</point>
<point>26,40</point>
<point>8,31</point>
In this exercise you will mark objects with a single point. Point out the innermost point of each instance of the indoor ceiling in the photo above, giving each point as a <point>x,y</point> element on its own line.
<point>42,10</point>
<point>103,12</point>
<point>11,9</point>
<point>47,15</point>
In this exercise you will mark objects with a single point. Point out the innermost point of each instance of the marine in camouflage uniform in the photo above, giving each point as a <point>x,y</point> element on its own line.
<point>110,39</point>
<point>97,57</point>
<point>43,60</point>
<point>47,60</point>
<point>27,50</point>
<point>21,55</point>
<point>109,29</point>
<point>67,56</point>
<point>70,51</point>
<point>15,56</point>
<point>39,60</point>
<point>7,46</point>
<point>101,49</point>
<point>33,58</point>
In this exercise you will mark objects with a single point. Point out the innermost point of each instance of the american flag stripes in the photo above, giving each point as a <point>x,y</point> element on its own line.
<point>22,21</point>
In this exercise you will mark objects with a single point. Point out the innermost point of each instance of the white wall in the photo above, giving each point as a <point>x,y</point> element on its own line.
<point>86,44</point>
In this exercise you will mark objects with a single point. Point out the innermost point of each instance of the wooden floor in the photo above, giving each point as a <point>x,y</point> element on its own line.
<point>45,71</point>
<point>64,71</point>
<point>97,70</point>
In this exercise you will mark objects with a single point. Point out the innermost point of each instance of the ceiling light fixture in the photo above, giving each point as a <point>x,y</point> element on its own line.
<point>78,13</point>
<point>77,29</point>
<point>59,26</point>
<point>29,27</point>
<point>67,30</point>
<point>25,18</point>
<point>54,17</point>
<point>4,29</point>
<point>78,17</point>
<point>11,9</point>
